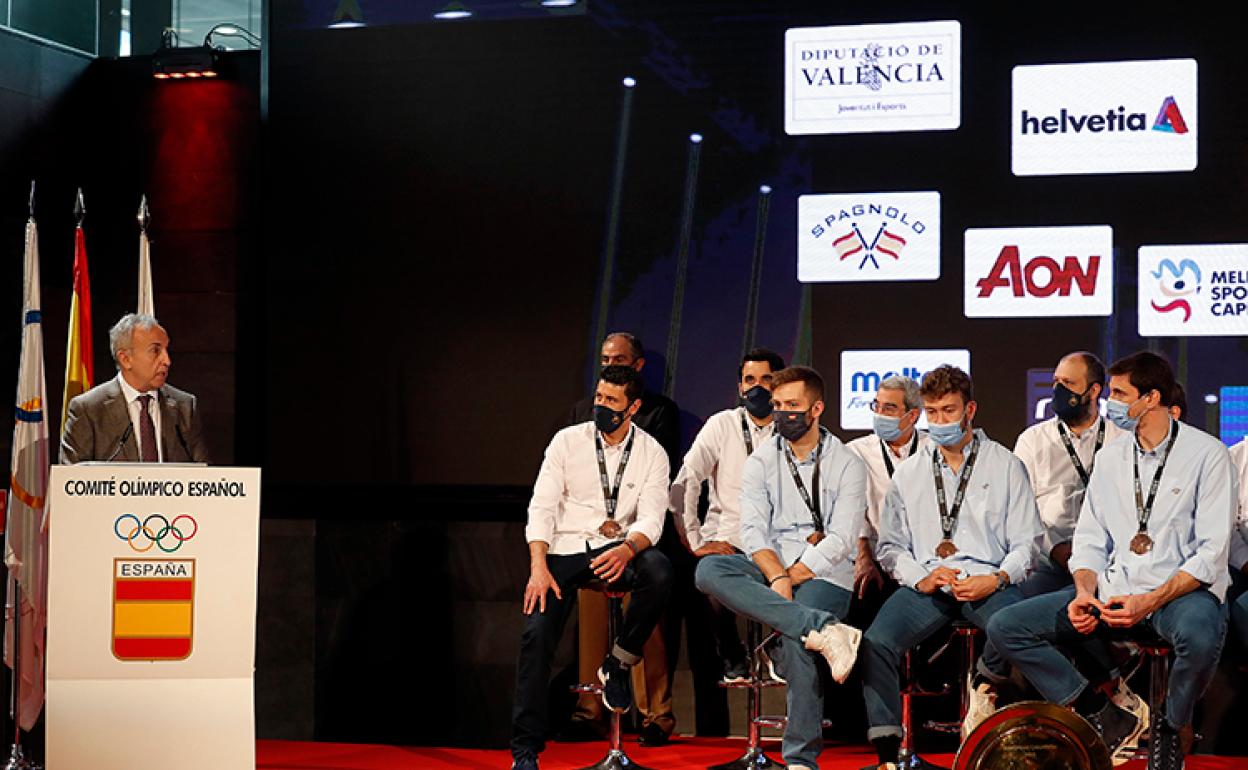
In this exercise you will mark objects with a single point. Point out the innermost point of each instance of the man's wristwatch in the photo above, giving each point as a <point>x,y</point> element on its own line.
<point>1002,582</point>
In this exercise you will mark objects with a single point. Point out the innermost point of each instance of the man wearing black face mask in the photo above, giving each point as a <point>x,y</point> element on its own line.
<point>1060,455</point>
<point>718,456</point>
<point>652,678</point>
<point>598,505</point>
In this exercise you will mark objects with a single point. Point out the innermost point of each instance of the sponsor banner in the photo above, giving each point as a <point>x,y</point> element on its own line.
<point>873,78</point>
<point>1189,291</point>
<point>1019,272</point>
<point>869,237</point>
<point>1233,413</point>
<point>1104,117</point>
<point>862,371</point>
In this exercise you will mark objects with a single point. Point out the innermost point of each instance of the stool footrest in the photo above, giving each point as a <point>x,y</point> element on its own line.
<point>943,727</point>
<point>751,683</point>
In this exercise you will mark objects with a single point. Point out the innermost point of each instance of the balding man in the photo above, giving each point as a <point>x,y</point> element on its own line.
<point>136,416</point>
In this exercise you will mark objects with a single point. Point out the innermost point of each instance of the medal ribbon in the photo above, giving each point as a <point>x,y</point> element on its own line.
<point>1144,510</point>
<point>949,517</point>
<point>611,494</point>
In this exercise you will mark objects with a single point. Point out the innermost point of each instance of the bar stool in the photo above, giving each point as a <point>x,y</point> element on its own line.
<point>965,632</point>
<point>615,759</point>
<point>1157,651</point>
<point>754,758</point>
<point>907,758</point>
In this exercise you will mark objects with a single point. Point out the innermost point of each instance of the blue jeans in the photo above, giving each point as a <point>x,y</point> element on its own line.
<point>1030,634</point>
<point>1047,577</point>
<point>740,585</point>
<point>907,618</point>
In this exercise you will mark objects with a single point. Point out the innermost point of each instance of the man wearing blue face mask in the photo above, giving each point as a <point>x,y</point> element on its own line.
<point>895,437</point>
<point>597,508</point>
<point>1149,558</point>
<point>959,531</point>
<point>803,494</point>
<point>718,457</point>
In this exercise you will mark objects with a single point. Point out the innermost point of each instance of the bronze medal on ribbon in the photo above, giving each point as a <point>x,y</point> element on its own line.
<point>946,548</point>
<point>610,529</point>
<point>815,538</point>
<point>1141,544</point>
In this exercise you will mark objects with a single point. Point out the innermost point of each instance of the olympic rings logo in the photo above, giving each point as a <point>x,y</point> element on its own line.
<point>168,532</point>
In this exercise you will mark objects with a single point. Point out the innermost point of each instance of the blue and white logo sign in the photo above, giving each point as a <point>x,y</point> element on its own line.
<point>873,78</point>
<point>862,371</point>
<point>877,236</point>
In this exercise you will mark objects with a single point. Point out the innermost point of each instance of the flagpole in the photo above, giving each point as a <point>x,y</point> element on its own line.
<point>13,615</point>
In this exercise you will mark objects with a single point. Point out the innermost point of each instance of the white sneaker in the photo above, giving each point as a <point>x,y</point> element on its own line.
<point>798,767</point>
<point>1128,701</point>
<point>838,643</point>
<point>982,704</point>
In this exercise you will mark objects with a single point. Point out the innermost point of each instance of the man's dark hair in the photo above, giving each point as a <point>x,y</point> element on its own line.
<point>946,379</point>
<point>772,358</point>
<point>634,342</point>
<point>1179,398</point>
<point>803,374</point>
<point>1147,371</point>
<point>627,376</point>
<point>1096,369</point>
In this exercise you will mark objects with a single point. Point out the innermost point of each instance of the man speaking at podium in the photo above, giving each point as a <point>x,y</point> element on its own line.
<point>135,417</point>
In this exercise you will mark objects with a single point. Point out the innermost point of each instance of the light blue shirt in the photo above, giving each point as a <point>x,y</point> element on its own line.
<point>775,517</point>
<point>998,528</point>
<point>1190,524</point>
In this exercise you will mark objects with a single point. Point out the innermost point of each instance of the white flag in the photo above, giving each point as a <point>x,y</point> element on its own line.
<point>26,535</point>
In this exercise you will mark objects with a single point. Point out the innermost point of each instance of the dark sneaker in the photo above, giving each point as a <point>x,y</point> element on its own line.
<point>616,684</point>
<point>652,735</point>
<point>524,763</point>
<point>1116,726</point>
<point>736,673</point>
<point>1165,747</point>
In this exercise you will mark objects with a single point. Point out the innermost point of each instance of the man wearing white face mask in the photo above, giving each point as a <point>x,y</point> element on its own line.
<point>1149,557</point>
<point>959,530</point>
<point>896,409</point>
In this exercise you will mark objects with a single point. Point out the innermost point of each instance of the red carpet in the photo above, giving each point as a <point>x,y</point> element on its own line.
<point>682,754</point>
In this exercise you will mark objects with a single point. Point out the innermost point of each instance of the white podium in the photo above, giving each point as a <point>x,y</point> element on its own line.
<point>151,617</point>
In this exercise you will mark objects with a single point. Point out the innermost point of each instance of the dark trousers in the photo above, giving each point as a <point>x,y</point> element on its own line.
<point>649,579</point>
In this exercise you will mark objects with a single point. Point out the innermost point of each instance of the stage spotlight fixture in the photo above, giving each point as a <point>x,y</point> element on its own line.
<point>629,82</point>
<point>170,63</point>
<point>765,189</point>
<point>559,3</point>
<point>695,138</point>
<point>1211,398</point>
<point>347,15</point>
<point>453,10</point>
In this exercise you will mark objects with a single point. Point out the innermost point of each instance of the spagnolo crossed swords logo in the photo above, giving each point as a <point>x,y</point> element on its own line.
<point>154,598</point>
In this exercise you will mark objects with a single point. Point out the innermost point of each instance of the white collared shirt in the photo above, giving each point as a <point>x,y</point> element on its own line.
<point>870,448</point>
<point>134,407</point>
<point>1239,538</point>
<point>568,507</point>
<point>997,529</point>
<point>1190,524</point>
<point>1059,490</point>
<point>717,456</point>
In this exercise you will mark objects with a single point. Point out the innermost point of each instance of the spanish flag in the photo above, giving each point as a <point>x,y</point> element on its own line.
<point>79,358</point>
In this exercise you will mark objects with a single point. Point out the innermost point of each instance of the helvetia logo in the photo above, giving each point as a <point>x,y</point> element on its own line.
<point>1169,120</point>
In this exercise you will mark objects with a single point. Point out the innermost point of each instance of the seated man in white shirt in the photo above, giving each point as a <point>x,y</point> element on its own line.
<point>598,505</point>
<point>718,456</point>
<point>895,437</point>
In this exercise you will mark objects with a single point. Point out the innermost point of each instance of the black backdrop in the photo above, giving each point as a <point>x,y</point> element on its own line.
<point>438,195</point>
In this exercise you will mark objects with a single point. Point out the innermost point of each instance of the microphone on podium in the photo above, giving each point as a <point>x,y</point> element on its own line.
<point>125,435</point>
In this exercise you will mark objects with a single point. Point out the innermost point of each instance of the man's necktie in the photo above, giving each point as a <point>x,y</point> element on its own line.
<point>147,432</point>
